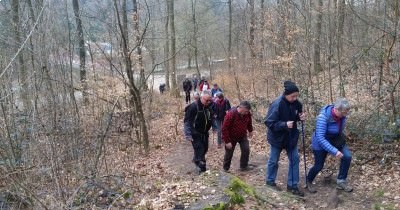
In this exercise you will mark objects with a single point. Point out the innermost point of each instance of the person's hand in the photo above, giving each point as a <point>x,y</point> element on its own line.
<point>289,124</point>
<point>303,116</point>
<point>228,145</point>
<point>250,135</point>
<point>339,155</point>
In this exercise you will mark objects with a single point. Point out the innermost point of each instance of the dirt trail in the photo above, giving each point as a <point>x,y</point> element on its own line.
<point>179,160</point>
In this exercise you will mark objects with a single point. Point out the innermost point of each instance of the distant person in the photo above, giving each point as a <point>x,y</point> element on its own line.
<point>281,121</point>
<point>187,87</point>
<point>197,123</point>
<point>195,83</point>
<point>237,128</point>
<point>221,106</point>
<point>196,97</point>
<point>204,85</point>
<point>329,138</point>
<point>215,89</point>
<point>162,88</point>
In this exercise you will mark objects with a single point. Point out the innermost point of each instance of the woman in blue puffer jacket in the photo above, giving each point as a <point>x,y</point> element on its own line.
<point>329,138</point>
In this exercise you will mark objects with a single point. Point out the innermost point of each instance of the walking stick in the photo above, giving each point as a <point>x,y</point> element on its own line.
<point>304,153</point>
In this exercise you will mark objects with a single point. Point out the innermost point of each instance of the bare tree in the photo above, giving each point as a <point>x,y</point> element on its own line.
<point>82,51</point>
<point>174,87</point>
<point>339,43</point>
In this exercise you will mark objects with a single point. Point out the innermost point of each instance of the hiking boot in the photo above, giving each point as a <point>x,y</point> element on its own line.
<point>344,186</point>
<point>197,170</point>
<point>295,191</point>
<point>249,167</point>
<point>273,186</point>
<point>310,187</point>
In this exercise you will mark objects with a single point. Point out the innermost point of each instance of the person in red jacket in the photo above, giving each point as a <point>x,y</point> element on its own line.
<point>236,128</point>
<point>204,85</point>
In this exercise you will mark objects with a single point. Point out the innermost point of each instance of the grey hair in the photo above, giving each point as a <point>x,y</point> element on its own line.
<point>245,104</point>
<point>342,104</point>
<point>196,94</point>
<point>205,92</point>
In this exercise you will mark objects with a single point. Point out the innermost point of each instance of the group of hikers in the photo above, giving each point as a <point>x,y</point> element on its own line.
<point>234,126</point>
<point>189,85</point>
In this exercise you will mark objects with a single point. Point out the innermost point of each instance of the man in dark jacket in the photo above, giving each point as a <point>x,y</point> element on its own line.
<point>187,87</point>
<point>234,130</point>
<point>197,123</point>
<point>282,133</point>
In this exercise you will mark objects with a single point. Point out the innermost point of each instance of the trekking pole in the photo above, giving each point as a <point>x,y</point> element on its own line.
<point>304,153</point>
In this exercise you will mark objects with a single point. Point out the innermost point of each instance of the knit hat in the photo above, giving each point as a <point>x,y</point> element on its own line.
<point>290,87</point>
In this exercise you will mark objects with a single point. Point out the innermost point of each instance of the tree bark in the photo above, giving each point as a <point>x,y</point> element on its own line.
<point>135,100</point>
<point>317,43</point>
<point>166,50</point>
<point>21,61</point>
<point>339,45</point>
<point>252,46</point>
<point>174,88</point>
<point>143,84</point>
<point>82,51</point>
<point>196,50</point>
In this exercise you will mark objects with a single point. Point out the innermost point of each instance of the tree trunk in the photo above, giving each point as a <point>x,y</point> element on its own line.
<point>230,37</point>
<point>196,51</point>
<point>135,100</point>
<point>166,51</point>
<point>252,46</point>
<point>82,51</point>
<point>262,28</point>
<point>174,88</point>
<point>317,43</point>
<point>143,84</point>
<point>21,61</point>
<point>339,45</point>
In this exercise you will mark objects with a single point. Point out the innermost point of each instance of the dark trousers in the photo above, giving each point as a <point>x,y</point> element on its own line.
<point>187,96</point>
<point>244,156</point>
<point>200,147</point>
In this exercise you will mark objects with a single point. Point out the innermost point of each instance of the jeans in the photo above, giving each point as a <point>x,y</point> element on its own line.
<point>217,126</point>
<point>200,147</point>
<point>293,172</point>
<point>244,156</point>
<point>319,159</point>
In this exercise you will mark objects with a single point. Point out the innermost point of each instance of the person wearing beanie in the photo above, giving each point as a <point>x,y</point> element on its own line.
<point>282,133</point>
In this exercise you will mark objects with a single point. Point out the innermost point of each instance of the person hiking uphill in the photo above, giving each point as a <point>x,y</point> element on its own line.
<point>204,85</point>
<point>187,87</point>
<point>236,128</point>
<point>329,138</point>
<point>283,113</point>
<point>195,83</point>
<point>221,106</point>
<point>215,90</point>
<point>197,123</point>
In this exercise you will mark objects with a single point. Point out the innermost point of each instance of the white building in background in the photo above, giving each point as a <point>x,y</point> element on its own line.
<point>98,48</point>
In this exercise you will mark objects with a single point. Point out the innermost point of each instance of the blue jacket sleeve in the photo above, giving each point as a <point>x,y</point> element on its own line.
<point>320,130</point>
<point>272,120</point>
